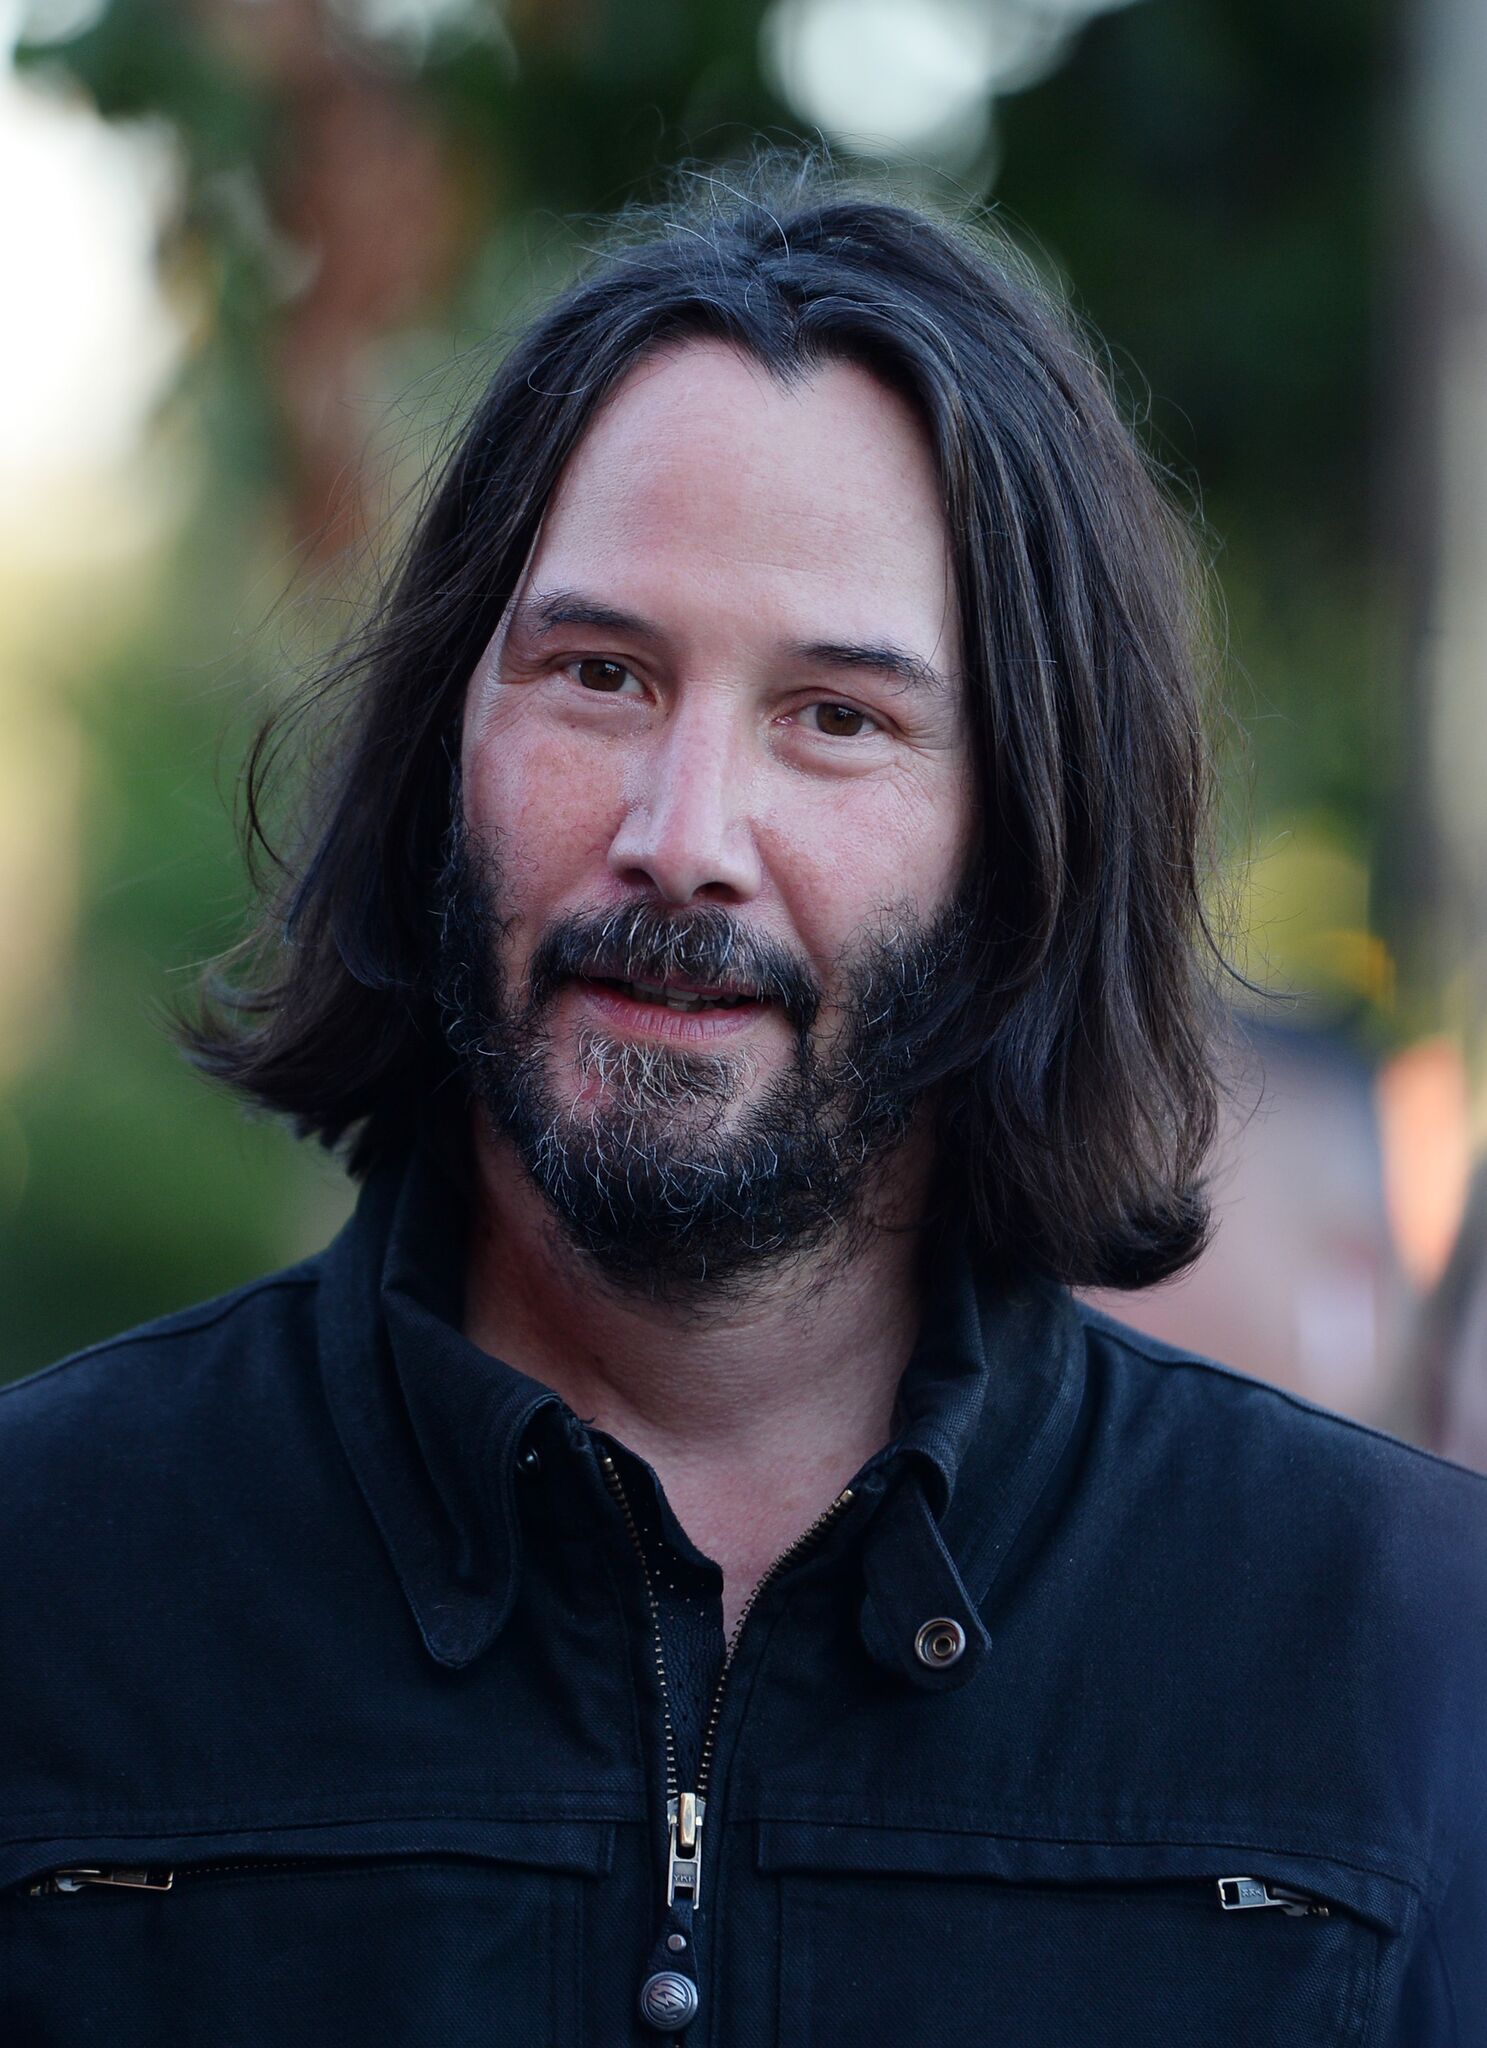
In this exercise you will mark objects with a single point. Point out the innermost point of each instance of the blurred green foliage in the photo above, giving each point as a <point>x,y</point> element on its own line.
<point>1205,174</point>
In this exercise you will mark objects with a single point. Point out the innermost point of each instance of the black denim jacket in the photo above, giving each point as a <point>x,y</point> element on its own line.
<point>1125,1701</point>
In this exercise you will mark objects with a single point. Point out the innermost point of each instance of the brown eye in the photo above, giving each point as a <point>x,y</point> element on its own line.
<point>595,674</point>
<point>841,721</point>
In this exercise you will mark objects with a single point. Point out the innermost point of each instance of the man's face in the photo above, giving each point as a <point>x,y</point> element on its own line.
<point>717,791</point>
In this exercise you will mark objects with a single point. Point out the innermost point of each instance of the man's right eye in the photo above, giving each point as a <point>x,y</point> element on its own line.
<point>609,676</point>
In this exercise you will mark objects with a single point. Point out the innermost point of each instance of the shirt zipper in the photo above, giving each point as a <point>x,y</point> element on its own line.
<point>685,1811</point>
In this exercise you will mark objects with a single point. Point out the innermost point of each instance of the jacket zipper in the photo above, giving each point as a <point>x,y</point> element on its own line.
<point>685,1811</point>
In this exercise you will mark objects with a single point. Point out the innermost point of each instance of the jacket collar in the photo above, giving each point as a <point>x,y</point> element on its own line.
<point>990,1400</point>
<point>433,1427</point>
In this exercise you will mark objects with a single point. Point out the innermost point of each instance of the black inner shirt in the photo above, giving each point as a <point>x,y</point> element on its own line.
<point>688,1589</point>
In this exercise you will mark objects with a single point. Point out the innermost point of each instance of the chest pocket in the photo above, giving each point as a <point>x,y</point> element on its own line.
<point>926,1936</point>
<point>399,1934</point>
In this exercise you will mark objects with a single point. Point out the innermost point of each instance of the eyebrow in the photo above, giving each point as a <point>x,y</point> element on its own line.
<point>550,611</point>
<point>896,663</point>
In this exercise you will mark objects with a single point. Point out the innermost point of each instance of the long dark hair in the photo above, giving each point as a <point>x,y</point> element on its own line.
<point>1072,1063</point>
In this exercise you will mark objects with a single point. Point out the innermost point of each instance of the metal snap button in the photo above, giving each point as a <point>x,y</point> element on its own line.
<point>940,1643</point>
<point>530,1460</point>
<point>668,2001</point>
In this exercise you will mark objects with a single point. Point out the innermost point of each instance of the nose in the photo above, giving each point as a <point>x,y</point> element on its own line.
<point>687,831</point>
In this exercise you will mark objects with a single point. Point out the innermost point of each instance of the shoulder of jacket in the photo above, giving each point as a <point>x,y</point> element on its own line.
<point>75,1382</point>
<point>1295,1427</point>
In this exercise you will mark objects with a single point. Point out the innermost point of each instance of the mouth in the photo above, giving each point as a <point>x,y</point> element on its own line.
<point>673,994</point>
<point>721,1003</point>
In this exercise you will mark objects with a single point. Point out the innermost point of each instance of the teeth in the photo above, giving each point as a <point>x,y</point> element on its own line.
<point>671,999</point>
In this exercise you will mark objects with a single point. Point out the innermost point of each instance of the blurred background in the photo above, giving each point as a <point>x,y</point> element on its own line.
<point>255,257</point>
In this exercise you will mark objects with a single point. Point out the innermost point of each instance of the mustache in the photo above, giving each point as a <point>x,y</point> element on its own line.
<point>705,945</point>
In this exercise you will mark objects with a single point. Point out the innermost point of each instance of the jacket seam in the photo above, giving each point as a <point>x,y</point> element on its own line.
<point>1117,1334</point>
<point>176,1326</point>
<point>1219,1836</point>
<point>1362,1989</point>
<point>1445,1968</point>
<point>1439,1891</point>
<point>236,1821</point>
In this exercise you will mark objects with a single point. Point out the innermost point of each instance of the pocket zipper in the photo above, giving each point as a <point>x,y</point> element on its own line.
<point>134,1878</point>
<point>79,1880</point>
<point>1243,1894</point>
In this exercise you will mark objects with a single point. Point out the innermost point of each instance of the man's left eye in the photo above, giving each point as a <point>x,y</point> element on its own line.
<point>610,677</point>
<point>840,721</point>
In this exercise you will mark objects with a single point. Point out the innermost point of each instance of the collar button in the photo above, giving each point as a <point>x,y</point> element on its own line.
<point>940,1643</point>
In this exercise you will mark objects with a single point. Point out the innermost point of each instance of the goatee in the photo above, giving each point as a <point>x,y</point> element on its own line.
<point>673,1169</point>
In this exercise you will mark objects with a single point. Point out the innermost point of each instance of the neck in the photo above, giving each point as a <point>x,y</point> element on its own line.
<point>755,1414</point>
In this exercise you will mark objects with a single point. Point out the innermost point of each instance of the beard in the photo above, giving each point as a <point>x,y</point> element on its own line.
<point>677,1171</point>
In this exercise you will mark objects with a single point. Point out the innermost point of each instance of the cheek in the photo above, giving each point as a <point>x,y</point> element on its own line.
<point>861,849</point>
<point>546,805</point>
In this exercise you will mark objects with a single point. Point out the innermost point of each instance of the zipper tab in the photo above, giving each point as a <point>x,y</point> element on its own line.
<point>1240,1894</point>
<point>78,1880</point>
<point>684,1816</point>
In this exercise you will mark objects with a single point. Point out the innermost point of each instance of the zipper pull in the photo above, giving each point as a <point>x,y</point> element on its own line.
<point>684,1849</point>
<point>131,1880</point>
<point>668,1996</point>
<point>1239,1894</point>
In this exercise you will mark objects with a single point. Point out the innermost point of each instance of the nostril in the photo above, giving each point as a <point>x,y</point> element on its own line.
<point>639,879</point>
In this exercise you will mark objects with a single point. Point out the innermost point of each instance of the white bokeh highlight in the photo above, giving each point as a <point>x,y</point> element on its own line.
<point>89,343</point>
<point>914,77</point>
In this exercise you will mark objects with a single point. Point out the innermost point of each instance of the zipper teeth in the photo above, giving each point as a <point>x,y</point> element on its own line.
<point>617,1488</point>
<point>806,1536</point>
<point>180,1870</point>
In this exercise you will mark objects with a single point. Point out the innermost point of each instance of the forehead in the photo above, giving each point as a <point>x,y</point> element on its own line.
<point>704,477</point>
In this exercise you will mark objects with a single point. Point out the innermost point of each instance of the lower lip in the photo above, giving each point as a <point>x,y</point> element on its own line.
<point>625,1014</point>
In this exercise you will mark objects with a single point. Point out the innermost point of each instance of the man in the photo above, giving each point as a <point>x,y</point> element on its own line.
<point>681,1561</point>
